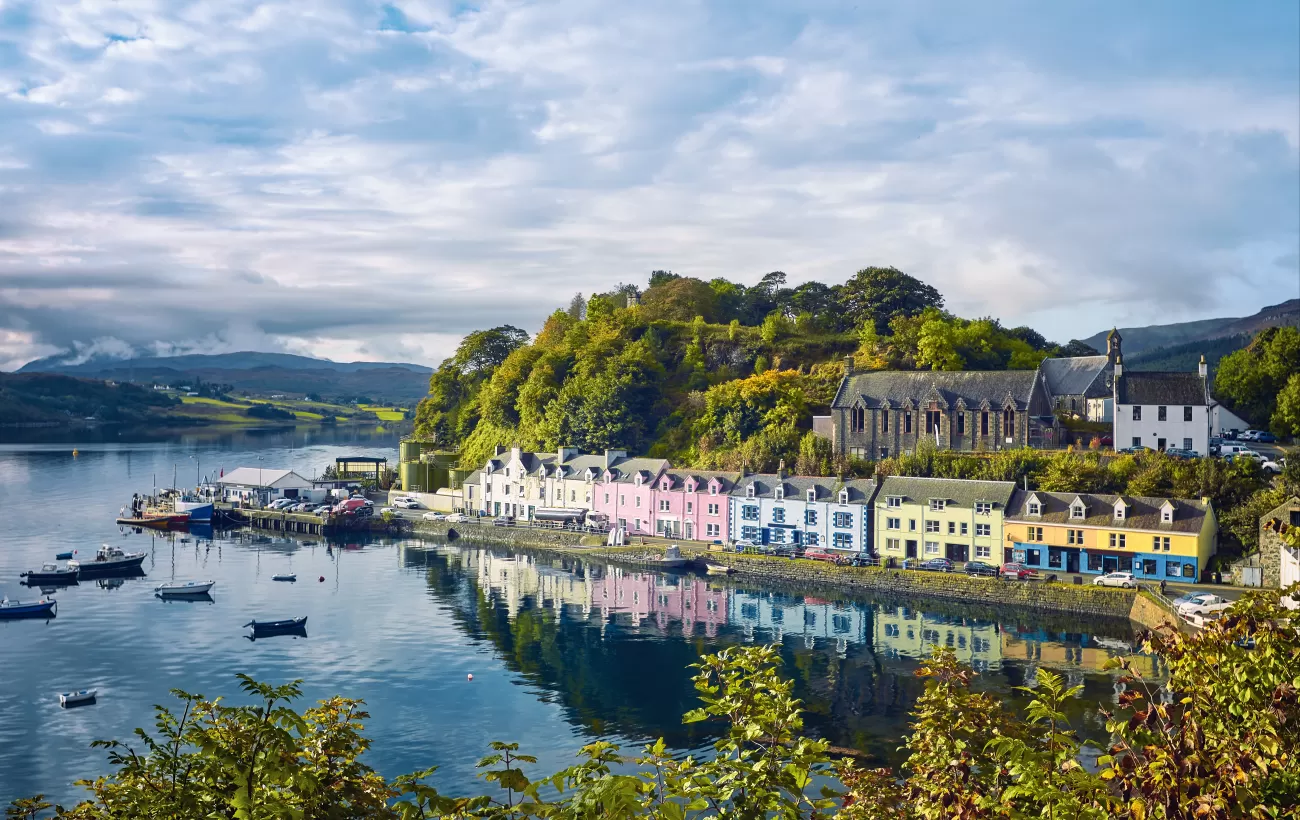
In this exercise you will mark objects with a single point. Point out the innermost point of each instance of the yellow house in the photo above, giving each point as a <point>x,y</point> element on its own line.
<point>1154,538</point>
<point>923,518</point>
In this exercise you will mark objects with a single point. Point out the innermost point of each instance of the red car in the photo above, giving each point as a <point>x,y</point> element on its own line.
<point>1018,571</point>
<point>822,555</point>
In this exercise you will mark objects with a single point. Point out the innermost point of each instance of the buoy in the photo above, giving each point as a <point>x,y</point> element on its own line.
<point>470,677</point>
<point>322,579</point>
<point>74,453</point>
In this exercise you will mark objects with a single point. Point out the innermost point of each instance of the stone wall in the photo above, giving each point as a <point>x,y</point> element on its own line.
<point>1150,612</point>
<point>1270,541</point>
<point>505,536</point>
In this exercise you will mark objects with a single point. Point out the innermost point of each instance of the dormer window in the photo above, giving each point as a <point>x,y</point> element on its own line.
<point>780,493</point>
<point>749,491</point>
<point>1077,510</point>
<point>844,496</point>
<point>638,480</point>
<point>938,504</point>
<point>812,496</point>
<point>713,489</point>
<point>664,485</point>
<point>1120,510</point>
<point>1034,508</point>
<point>894,502</point>
<point>1167,514</point>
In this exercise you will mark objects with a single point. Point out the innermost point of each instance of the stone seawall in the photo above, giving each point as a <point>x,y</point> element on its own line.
<point>505,536</point>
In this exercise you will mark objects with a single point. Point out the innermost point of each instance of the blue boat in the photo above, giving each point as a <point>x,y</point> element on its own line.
<point>44,608</point>
<point>200,511</point>
<point>288,626</point>
<point>64,556</point>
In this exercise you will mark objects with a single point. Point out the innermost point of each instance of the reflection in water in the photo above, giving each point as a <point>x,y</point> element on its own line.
<point>613,645</point>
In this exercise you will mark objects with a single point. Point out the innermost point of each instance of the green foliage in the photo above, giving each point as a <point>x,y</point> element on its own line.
<point>880,295</point>
<point>1285,420</point>
<point>1250,381</point>
<point>47,397</point>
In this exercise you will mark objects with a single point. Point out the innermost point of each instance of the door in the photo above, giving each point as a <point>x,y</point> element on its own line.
<point>1008,555</point>
<point>911,549</point>
<point>1109,563</point>
<point>1072,561</point>
<point>1160,444</point>
<point>690,530</point>
<point>958,553</point>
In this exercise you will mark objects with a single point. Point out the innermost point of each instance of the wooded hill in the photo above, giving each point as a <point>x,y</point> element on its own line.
<point>713,374</point>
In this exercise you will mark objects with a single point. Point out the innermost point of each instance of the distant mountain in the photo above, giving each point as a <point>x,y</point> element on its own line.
<point>1186,356</point>
<point>1144,339</point>
<point>258,374</point>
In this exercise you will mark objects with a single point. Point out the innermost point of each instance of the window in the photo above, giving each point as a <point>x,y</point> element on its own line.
<point>884,452</point>
<point>559,493</point>
<point>1078,511</point>
<point>810,518</point>
<point>1034,508</point>
<point>893,502</point>
<point>893,524</point>
<point>1074,537</point>
<point>1187,414</point>
<point>713,489</point>
<point>713,509</point>
<point>857,420</point>
<point>844,496</point>
<point>690,506</point>
<point>1137,441</point>
<point>983,551</point>
<point>931,547</point>
<point>1173,569</point>
<point>983,530</point>
<point>983,507</point>
<point>932,421</point>
<point>663,505</point>
<point>780,493</point>
<point>952,527</point>
<point>778,516</point>
<point>965,528</point>
<point>812,539</point>
<point>749,533</point>
<point>842,540</point>
<point>749,491</point>
<point>812,496</point>
<point>911,525</point>
<point>1162,413</point>
<point>892,544</point>
<point>713,530</point>
<point>844,519</point>
<point>778,536</point>
<point>961,424</point>
<point>1167,514</point>
<point>1187,444</point>
<point>638,501</point>
<point>1119,512</point>
<point>622,499</point>
<point>907,422</point>
<point>1034,534</point>
<point>1117,540</point>
<point>1094,562</point>
<point>931,526</point>
<point>1054,559</point>
<point>937,504</point>
<point>1009,423</point>
<point>1158,541</point>
<point>884,421</point>
<point>1137,412</point>
<point>984,423</point>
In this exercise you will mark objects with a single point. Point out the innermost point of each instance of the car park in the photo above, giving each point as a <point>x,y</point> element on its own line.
<point>1203,603</point>
<point>1018,572</point>
<point>981,568</point>
<point>937,565</point>
<point>1116,579</point>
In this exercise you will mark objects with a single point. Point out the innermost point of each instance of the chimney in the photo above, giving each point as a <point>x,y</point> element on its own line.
<point>566,453</point>
<point>1203,368</point>
<point>612,456</point>
<point>498,450</point>
<point>848,365</point>
<point>780,471</point>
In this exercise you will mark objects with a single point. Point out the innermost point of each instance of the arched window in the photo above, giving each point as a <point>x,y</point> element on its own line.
<point>1009,423</point>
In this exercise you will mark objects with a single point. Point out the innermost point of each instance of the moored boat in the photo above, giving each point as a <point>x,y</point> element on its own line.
<point>717,569</point>
<point>153,522</point>
<point>50,574</point>
<point>287,626</point>
<point>110,561</point>
<point>671,559</point>
<point>45,607</point>
<point>195,511</point>
<point>184,587</point>
<point>79,698</point>
<point>284,577</point>
<point>65,556</point>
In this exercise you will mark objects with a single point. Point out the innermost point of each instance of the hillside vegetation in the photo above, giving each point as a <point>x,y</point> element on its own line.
<point>711,374</point>
<point>44,398</point>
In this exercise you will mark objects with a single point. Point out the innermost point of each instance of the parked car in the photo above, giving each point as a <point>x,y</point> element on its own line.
<point>818,554</point>
<point>1106,440</point>
<point>302,507</point>
<point>1179,453</point>
<point>388,511</point>
<point>503,521</point>
<point>1274,465</point>
<point>743,545</point>
<point>406,504</point>
<point>861,560</point>
<point>434,516</point>
<point>457,518</point>
<point>981,568</point>
<point>1019,572</point>
<point>1232,448</point>
<point>1231,434</point>
<point>1138,449</point>
<point>1245,453</point>
<point>351,505</point>
<point>1203,603</point>
<point>1116,579</point>
<point>1265,437</point>
<point>937,565</point>
<point>1250,435</point>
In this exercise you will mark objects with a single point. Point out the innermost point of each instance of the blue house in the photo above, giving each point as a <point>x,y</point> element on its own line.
<point>776,509</point>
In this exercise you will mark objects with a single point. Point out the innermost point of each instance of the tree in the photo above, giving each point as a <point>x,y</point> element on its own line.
<point>679,299</point>
<point>1074,347</point>
<point>1286,415</point>
<point>484,350</point>
<point>882,294</point>
<point>1249,381</point>
<point>661,277</point>
<point>578,307</point>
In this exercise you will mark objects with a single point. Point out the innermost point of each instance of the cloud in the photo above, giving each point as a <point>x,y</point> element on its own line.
<point>372,180</point>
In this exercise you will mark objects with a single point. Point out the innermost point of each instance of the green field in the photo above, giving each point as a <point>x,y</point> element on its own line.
<point>384,413</point>
<point>216,411</point>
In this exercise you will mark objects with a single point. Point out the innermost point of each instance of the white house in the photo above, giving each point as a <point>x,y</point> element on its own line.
<point>1221,418</point>
<point>1160,410</point>
<point>796,510</point>
<point>517,483</point>
<point>262,485</point>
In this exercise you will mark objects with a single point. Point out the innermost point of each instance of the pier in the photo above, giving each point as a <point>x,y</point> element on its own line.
<point>302,523</point>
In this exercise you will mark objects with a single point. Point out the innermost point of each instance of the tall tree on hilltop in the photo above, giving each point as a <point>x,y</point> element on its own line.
<point>679,300</point>
<point>882,294</point>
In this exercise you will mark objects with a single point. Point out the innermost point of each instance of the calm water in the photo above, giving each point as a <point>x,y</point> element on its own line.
<point>561,651</point>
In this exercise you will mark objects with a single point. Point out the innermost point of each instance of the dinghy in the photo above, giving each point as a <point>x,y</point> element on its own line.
<point>289,578</point>
<point>81,698</point>
<point>288,626</point>
<point>184,587</point>
<point>717,569</point>
<point>45,607</point>
<point>66,556</point>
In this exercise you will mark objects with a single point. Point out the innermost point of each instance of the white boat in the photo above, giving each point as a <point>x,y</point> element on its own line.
<point>717,569</point>
<point>184,587</point>
<point>672,558</point>
<point>77,698</point>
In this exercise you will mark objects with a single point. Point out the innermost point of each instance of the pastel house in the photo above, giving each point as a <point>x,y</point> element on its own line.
<point>692,505</point>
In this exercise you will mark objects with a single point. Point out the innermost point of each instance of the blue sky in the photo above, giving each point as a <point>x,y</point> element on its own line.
<point>372,180</point>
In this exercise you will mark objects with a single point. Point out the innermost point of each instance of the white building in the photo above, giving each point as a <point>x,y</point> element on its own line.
<point>1221,418</point>
<point>796,510</point>
<point>517,483</point>
<point>1160,410</point>
<point>262,485</point>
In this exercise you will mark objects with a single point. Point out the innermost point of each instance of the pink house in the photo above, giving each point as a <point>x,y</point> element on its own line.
<point>625,493</point>
<point>693,505</point>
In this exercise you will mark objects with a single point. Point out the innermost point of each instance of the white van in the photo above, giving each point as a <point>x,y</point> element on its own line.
<point>1231,448</point>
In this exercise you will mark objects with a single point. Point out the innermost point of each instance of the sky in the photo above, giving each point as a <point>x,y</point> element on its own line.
<point>372,180</point>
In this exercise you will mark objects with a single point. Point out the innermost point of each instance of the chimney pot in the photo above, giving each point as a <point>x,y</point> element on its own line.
<point>848,365</point>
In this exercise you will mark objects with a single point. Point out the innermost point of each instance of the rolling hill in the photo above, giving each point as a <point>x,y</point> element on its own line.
<point>1145,340</point>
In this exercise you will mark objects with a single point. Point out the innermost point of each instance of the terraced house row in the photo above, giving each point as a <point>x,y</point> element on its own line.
<point>895,517</point>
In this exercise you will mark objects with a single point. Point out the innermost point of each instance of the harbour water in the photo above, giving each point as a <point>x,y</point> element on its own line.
<point>561,651</point>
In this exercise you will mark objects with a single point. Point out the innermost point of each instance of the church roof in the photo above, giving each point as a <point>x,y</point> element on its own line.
<point>973,387</point>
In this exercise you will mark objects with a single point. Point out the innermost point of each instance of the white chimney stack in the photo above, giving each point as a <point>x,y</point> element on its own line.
<point>1203,368</point>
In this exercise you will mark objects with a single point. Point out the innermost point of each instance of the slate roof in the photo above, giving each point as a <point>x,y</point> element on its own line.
<point>702,479</point>
<point>1077,376</point>
<point>473,478</point>
<point>625,469</point>
<point>1142,514</point>
<point>579,464</point>
<point>860,490</point>
<point>973,387</point>
<point>957,492</point>
<point>1161,388</point>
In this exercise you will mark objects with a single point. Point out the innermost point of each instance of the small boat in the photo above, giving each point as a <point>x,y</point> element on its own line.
<point>289,578</point>
<point>43,608</point>
<point>110,561</point>
<point>671,559</point>
<point>184,587</point>
<point>717,569</point>
<point>153,522</point>
<point>52,574</point>
<point>65,556</point>
<point>288,626</point>
<point>81,698</point>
